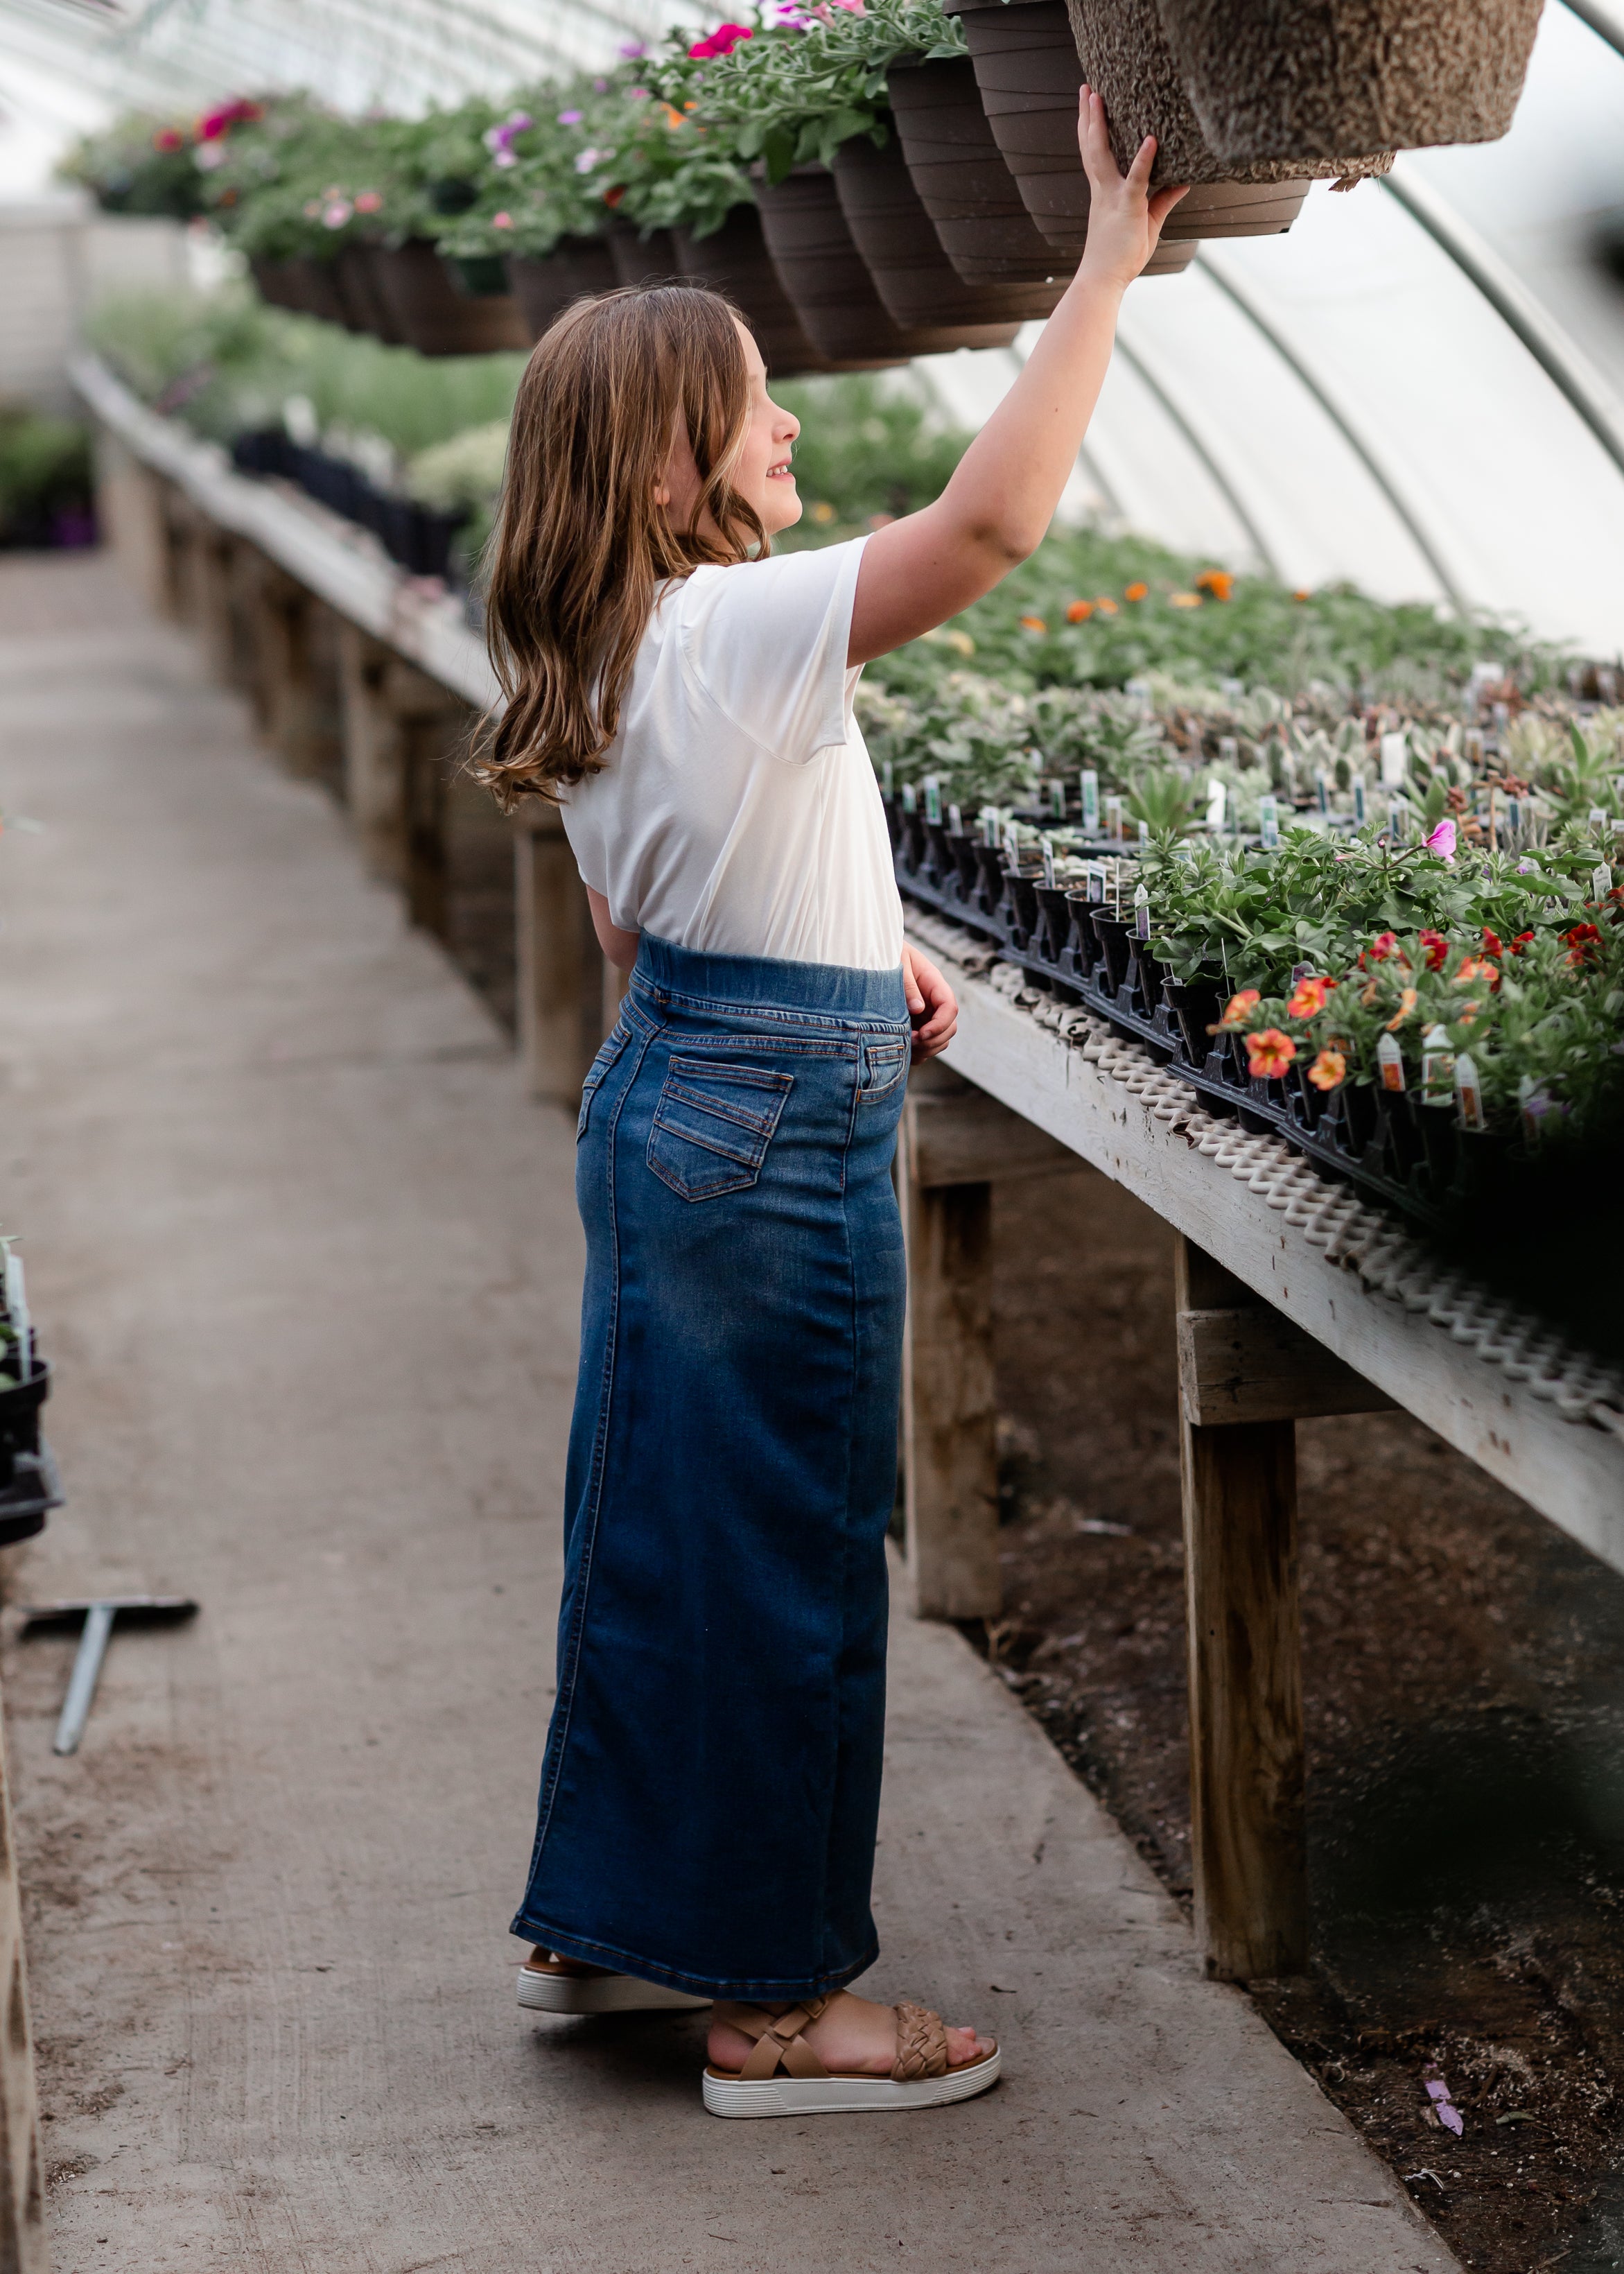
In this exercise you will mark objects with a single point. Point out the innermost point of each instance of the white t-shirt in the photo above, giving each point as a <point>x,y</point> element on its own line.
<point>738,809</point>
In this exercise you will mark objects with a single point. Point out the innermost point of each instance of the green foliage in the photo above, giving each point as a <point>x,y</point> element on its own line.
<point>44,469</point>
<point>144,163</point>
<point>868,446</point>
<point>229,363</point>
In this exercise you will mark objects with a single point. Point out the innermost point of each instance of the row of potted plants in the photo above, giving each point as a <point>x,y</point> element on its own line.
<point>28,1484</point>
<point>1403,998</point>
<point>871,179</point>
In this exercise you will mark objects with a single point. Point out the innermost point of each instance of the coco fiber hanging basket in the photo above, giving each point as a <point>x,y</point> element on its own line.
<point>1284,78</point>
<point>1126,58</point>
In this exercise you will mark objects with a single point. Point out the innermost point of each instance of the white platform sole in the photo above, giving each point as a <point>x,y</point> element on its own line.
<point>599,1993</point>
<point>845,2096</point>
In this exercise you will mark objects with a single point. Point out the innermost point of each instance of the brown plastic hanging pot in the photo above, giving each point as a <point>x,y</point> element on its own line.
<point>902,253</point>
<point>734,261</point>
<point>366,308</point>
<point>279,283</point>
<point>1026,66</point>
<point>432,316</point>
<point>825,275</point>
<point>1268,79</point>
<point>312,280</point>
<point>980,217</point>
<point>545,284</point>
<point>1126,58</point>
<point>650,259</point>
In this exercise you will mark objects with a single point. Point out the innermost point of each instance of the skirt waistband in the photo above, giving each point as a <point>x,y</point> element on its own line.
<point>696,978</point>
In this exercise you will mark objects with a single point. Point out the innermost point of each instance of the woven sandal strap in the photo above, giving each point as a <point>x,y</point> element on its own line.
<point>921,2044</point>
<point>778,2038</point>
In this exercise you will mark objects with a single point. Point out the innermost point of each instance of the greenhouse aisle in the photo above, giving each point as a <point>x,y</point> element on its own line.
<point>306,1261</point>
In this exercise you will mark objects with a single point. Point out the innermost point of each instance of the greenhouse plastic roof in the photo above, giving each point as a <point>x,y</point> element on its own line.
<point>1343,400</point>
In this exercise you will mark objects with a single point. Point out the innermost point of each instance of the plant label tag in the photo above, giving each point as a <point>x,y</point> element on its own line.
<point>888,773</point>
<point>1141,913</point>
<point>1144,837</point>
<point>1269,823</point>
<point>1088,784</point>
<point>1394,760</point>
<point>1096,873</point>
<point>1217,802</point>
<point>1057,799</point>
<point>1601,882</point>
<point>932,788</point>
<point>1437,1068</point>
<point>1390,1063</point>
<point>1046,845</point>
<point>1396,821</point>
<point>955,820</point>
<point>1468,1092</point>
<point>910,800</point>
<point>1229,750</point>
<point>1113,819</point>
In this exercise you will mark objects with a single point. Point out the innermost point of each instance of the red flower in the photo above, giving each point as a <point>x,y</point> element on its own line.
<point>1492,943</point>
<point>1521,941</point>
<point>1079,611</point>
<point>169,137</point>
<point>1581,942</point>
<point>1384,945</point>
<point>1437,949</point>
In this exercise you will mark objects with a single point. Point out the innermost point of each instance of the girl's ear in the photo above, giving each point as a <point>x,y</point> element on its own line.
<point>662,493</point>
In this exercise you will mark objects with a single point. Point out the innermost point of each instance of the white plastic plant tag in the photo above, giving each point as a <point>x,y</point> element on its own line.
<point>888,773</point>
<point>1601,881</point>
<point>955,820</point>
<point>1394,760</point>
<point>1437,1068</point>
<point>1057,799</point>
<point>1468,1092</point>
<point>1088,782</point>
<point>1229,750</point>
<point>1144,837</point>
<point>1269,823</point>
<point>16,1314</point>
<point>1096,872</point>
<point>1141,913</point>
<point>910,800</point>
<point>1597,816</point>
<point>1046,846</point>
<point>1390,1063</point>
<point>1217,802</point>
<point>932,788</point>
<point>1012,847</point>
<point>1113,819</point>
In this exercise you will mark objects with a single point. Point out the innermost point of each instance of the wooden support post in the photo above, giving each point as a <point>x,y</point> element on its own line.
<point>130,510</point>
<point>955,1141</point>
<point>286,627</point>
<point>401,730</point>
<point>22,2194</point>
<point>563,977</point>
<point>1246,1376</point>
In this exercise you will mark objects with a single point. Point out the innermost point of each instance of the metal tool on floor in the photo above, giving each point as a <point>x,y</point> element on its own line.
<point>97,1614</point>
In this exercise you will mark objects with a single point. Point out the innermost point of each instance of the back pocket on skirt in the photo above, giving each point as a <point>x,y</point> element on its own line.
<point>713,1124</point>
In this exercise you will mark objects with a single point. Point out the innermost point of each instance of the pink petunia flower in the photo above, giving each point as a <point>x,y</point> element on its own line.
<point>1442,840</point>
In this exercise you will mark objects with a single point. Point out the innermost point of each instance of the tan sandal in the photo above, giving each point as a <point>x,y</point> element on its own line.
<point>550,1984</point>
<point>920,2076</point>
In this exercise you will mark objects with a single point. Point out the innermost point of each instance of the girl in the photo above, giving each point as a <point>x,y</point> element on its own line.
<point>711,1785</point>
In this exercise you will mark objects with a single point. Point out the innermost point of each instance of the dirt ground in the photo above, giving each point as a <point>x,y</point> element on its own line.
<point>1465,1691</point>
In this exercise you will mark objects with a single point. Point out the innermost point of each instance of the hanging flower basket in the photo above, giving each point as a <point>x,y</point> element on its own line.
<point>313,284</point>
<point>545,284</point>
<point>963,183</point>
<point>359,288</point>
<point>1027,70</point>
<point>432,316</point>
<point>1126,60</point>
<point>278,282</point>
<point>901,248</point>
<point>1271,78</point>
<point>650,259</point>
<point>734,261</point>
<point>825,275</point>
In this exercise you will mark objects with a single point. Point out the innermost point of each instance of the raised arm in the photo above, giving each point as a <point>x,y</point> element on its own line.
<point>919,571</point>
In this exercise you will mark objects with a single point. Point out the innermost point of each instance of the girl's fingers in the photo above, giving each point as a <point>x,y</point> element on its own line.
<point>1162,204</point>
<point>1144,158</point>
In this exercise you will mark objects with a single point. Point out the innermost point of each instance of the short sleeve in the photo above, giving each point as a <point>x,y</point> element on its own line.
<point>767,643</point>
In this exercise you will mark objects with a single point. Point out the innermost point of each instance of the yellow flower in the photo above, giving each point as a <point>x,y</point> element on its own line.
<point>1185,599</point>
<point>822,511</point>
<point>1307,997</point>
<point>1236,1009</point>
<point>1270,1053</point>
<point>1327,1070</point>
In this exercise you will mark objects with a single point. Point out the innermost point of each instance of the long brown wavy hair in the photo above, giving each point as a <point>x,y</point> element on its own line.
<point>581,544</point>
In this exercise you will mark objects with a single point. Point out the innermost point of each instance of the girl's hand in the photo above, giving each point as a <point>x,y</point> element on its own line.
<point>1125,221</point>
<point>932,1005</point>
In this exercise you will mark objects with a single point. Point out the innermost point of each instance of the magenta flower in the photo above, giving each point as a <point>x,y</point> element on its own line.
<point>570,117</point>
<point>722,41</point>
<point>1442,840</point>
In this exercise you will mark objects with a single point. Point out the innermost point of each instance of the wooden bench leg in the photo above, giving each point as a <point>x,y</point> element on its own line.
<point>1246,1376</point>
<point>130,509</point>
<point>22,2194</point>
<point>955,1142</point>
<point>562,975</point>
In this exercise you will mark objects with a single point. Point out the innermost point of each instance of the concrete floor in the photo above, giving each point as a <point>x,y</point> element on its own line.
<point>306,1261</point>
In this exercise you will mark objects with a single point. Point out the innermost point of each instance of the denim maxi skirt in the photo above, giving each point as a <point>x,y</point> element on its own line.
<point>712,1781</point>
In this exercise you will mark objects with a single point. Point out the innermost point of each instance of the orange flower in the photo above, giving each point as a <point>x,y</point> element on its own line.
<point>1137,592</point>
<point>1406,1005</point>
<point>1328,1070</point>
<point>1236,1009</point>
<point>1079,611</point>
<point>1270,1053</point>
<point>1437,949</point>
<point>1218,582</point>
<point>1302,593</point>
<point>1185,599</point>
<point>1106,605</point>
<point>1033,624</point>
<point>1307,997</point>
<point>1475,966</point>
